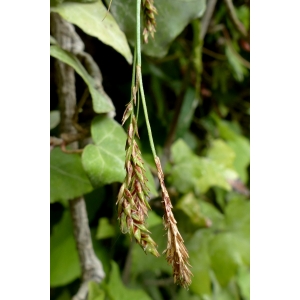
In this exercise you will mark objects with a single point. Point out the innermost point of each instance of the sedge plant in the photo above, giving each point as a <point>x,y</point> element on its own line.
<point>134,193</point>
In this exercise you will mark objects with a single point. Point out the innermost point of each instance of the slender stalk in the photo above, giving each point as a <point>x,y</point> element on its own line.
<point>176,252</point>
<point>139,73</point>
<point>138,32</point>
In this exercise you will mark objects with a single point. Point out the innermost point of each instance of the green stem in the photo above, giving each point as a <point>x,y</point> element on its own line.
<point>147,118</point>
<point>138,32</point>
<point>139,74</point>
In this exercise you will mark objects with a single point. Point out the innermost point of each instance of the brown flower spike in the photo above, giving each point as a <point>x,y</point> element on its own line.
<point>132,198</point>
<point>149,19</point>
<point>176,252</point>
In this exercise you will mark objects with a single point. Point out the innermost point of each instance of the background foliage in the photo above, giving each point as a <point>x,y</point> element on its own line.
<point>207,171</point>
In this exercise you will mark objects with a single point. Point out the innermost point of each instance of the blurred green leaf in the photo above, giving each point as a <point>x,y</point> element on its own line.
<point>243,280</point>
<point>54,118</point>
<point>105,229</point>
<point>191,172</point>
<point>239,71</point>
<point>65,295</point>
<point>237,217</point>
<point>67,177</point>
<point>141,262</point>
<point>100,102</point>
<point>241,147</point>
<point>117,290</point>
<point>243,14</point>
<point>104,161</point>
<point>221,153</point>
<point>227,252</point>
<point>151,183</point>
<point>213,174</point>
<point>189,205</point>
<point>90,18</point>
<point>211,212</point>
<point>239,144</point>
<point>64,262</point>
<point>200,261</point>
<point>95,292</point>
<point>187,112</point>
<point>153,219</point>
<point>172,18</point>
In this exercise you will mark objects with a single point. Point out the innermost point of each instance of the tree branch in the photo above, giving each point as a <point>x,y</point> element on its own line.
<point>91,266</point>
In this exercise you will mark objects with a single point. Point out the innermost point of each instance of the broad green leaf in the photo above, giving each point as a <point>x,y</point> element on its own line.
<point>117,290</point>
<point>95,292</point>
<point>104,161</point>
<point>172,18</point>
<point>142,262</point>
<point>67,177</point>
<point>105,229</point>
<point>90,18</point>
<point>191,172</point>
<point>227,253</point>
<point>100,102</point>
<point>54,118</point>
<point>64,261</point>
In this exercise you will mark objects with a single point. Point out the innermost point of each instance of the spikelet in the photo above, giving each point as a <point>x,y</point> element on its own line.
<point>149,19</point>
<point>132,198</point>
<point>176,252</point>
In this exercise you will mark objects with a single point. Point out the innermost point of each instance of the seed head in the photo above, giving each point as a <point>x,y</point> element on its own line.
<point>149,19</point>
<point>176,253</point>
<point>134,192</point>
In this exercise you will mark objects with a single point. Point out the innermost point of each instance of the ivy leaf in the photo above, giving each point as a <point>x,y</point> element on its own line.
<point>104,161</point>
<point>117,290</point>
<point>172,18</point>
<point>191,172</point>
<point>64,261</point>
<point>90,18</point>
<point>100,102</point>
<point>67,177</point>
